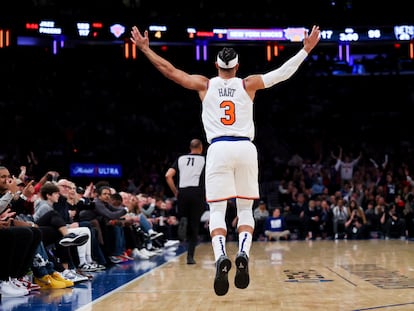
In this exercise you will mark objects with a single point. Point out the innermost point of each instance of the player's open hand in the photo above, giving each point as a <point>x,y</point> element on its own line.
<point>141,41</point>
<point>312,39</point>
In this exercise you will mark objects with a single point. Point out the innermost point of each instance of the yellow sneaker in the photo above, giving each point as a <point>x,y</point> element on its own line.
<point>58,277</point>
<point>47,282</point>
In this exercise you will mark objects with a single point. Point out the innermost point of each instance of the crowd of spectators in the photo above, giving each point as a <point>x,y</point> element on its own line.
<point>354,198</point>
<point>75,230</point>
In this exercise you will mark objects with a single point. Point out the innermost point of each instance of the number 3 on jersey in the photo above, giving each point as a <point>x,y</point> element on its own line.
<point>229,111</point>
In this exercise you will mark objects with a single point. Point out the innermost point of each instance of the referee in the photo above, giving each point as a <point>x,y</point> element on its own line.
<point>185,178</point>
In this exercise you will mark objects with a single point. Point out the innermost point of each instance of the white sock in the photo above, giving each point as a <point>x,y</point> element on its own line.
<point>219,246</point>
<point>245,242</point>
<point>151,231</point>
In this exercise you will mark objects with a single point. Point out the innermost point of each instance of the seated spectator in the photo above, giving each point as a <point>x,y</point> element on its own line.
<point>51,222</point>
<point>295,216</point>
<point>312,220</point>
<point>171,212</point>
<point>326,225</point>
<point>260,214</point>
<point>275,226</point>
<point>165,220</point>
<point>355,226</point>
<point>393,224</point>
<point>135,205</point>
<point>32,249</point>
<point>44,273</point>
<point>373,219</point>
<point>111,223</point>
<point>408,214</point>
<point>148,204</point>
<point>45,215</point>
<point>142,232</point>
<point>134,237</point>
<point>91,250</point>
<point>339,218</point>
<point>85,214</point>
<point>18,249</point>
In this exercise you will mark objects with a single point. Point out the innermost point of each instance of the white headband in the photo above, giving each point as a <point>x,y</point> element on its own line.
<point>231,63</point>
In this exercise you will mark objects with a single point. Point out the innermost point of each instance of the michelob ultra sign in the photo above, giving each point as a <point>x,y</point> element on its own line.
<point>95,170</point>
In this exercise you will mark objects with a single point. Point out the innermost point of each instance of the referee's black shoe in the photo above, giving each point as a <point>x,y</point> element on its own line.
<point>221,282</point>
<point>242,278</point>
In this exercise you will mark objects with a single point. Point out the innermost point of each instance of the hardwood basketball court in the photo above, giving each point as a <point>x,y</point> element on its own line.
<point>286,275</point>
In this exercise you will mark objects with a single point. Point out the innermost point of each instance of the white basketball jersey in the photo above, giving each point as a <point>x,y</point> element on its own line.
<point>227,109</point>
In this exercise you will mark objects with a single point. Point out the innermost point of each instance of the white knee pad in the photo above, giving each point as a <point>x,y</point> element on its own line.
<point>245,213</point>
<point>245,218</point>
<point>217,216</point>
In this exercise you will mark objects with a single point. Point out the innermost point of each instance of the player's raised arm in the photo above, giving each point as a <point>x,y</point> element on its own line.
<point>192,82</point>
<point>284,72</point>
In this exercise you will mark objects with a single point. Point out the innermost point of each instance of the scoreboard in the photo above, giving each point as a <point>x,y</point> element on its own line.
<point>57,35</point>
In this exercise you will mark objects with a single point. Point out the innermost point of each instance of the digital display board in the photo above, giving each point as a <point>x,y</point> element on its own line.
<point>108,31</point>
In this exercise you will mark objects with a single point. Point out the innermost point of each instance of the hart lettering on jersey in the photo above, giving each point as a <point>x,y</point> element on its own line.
<point>226,92</point>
